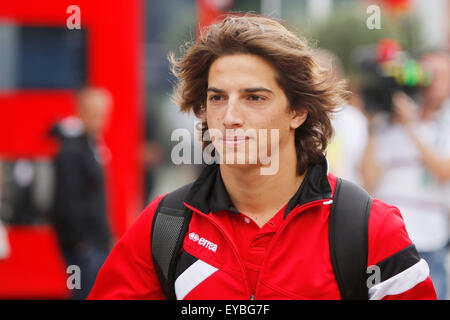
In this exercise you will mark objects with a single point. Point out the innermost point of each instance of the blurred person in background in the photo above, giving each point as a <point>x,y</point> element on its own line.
<point>80,214</point>
<point>4,241</point>
<point>152,156</point>
<point>407,163</point>
<point>347,146</point>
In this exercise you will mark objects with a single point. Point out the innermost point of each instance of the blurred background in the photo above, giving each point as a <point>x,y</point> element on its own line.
<point>117,61</point>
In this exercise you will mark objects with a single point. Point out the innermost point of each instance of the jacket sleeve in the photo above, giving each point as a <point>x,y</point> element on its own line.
<point>395,269</point>
<point>72,182</point>
<point>128,272</point>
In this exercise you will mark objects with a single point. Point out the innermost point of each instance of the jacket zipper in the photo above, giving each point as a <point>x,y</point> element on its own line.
<point>291,215</point>
<point>233,247</point>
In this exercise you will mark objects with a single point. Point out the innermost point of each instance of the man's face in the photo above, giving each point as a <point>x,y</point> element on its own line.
<point>94,111</point>
<point>243,101</point>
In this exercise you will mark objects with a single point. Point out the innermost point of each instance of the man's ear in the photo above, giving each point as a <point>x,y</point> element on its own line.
<point>298,117</point>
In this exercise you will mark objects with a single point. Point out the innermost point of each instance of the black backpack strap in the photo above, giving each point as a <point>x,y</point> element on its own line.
<point>348,239</point>
<point>170,224</point>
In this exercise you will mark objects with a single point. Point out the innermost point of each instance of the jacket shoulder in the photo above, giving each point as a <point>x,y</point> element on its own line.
<point>402,273</point>
<point>387,231</point>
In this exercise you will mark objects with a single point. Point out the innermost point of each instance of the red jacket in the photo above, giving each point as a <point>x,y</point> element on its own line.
<point>296,264</point>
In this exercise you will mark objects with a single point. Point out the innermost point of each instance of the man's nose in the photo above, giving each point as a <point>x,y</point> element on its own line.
<point>233,116</point>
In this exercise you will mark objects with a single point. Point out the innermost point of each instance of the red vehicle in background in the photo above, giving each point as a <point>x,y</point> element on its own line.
<point>42,63</point>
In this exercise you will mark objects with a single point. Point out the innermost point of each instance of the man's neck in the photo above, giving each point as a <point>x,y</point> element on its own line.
<point>261,196</point>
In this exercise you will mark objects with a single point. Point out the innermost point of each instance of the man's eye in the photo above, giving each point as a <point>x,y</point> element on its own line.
<point>215,98</point>
<point>254,97</point>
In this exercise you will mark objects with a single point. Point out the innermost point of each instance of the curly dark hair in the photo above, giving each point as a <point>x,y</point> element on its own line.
<point>305,83</point>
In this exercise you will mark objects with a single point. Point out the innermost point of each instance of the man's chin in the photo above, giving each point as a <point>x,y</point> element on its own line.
<point>239,159</point>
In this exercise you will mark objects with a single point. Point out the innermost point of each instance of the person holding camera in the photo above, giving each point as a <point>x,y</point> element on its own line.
<point>407,163</point>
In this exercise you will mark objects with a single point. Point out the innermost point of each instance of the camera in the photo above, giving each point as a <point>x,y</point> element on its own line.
<point>387,70</point>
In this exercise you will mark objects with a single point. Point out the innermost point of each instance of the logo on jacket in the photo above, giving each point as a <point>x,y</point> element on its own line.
<point>203,242</point>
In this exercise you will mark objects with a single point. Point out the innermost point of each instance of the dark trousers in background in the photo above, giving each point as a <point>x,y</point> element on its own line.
<point>436,261</point>
<point>89,260</point>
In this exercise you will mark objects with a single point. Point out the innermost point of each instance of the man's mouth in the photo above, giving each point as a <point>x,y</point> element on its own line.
<point>235,140</point>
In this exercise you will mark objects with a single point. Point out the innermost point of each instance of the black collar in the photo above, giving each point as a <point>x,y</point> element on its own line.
<point>208,192</point>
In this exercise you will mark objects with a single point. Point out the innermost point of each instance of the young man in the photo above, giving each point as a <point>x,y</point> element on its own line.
<point>254,235</point>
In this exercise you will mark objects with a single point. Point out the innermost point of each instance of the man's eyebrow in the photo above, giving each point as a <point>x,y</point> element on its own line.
<point>213,89</point>
<point>248,90</point>
<point>257,89</point>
